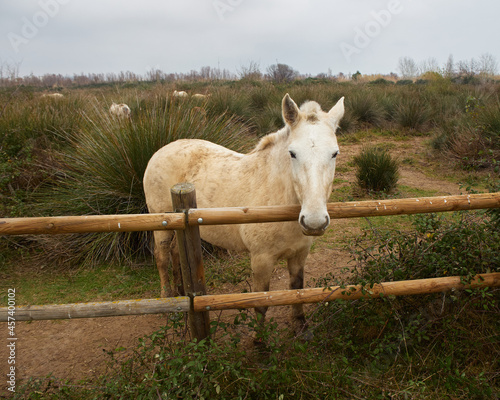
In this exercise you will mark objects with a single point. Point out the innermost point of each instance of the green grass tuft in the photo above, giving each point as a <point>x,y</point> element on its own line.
<point>376,170</point>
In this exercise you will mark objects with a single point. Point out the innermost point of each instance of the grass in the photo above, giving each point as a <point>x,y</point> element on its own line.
<point>419,347</point>
<point>398,348</point>
<point>103,283</point>
<point>102,171</point>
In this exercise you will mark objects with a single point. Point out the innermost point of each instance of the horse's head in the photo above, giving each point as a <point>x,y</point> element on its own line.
<point>313,150</point>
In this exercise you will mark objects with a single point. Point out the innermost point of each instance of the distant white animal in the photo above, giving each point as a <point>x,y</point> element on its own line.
<point>181,93</point>
<point>53,95</point>
<point>120,110</point>
<point>200,96</point>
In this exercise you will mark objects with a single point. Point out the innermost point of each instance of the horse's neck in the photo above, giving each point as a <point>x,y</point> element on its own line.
<point>272,172</point>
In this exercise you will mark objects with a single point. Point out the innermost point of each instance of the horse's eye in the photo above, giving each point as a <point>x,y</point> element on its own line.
<point>292,154</point>
<point>334,155</point>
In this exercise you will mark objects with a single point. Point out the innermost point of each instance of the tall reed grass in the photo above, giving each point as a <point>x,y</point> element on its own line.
<point>94,163</point>
<point>101,171</point>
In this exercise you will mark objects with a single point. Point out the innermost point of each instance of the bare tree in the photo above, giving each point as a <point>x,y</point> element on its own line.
<point>468,68</point>
<point>429,65</point>
<point>449,68</point>
<point>488,65</point>
<point>252,72</point>
<point>408,68</point>
<point>281,73</point>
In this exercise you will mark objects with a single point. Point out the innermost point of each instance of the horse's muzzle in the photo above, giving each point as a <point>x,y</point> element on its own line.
<point>309,231</point>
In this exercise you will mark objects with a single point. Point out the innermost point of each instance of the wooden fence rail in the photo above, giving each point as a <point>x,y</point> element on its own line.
<point>245,300</point>
<point>241,215</point>
<point>186,221</point>
<point>352,209</point>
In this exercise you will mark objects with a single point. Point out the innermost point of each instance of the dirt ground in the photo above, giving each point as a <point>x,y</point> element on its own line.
<point>76,349</point>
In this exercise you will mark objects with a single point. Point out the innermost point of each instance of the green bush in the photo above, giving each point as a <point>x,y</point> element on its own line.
<point>365,108</point>
<point>488,121</point>
<point>412,113</point>
<point>472,139</point>
<point>101,172</point>
<point>428,337</point>
<point>376,170</point>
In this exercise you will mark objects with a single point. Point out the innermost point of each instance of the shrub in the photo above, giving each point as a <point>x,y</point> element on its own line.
<point>224,101</point>
<point>404,82</point>
<point>488,121</point>
<point>376,170</point>
<point>390,336</point>
<point>102,171</point>
<point>412,113</point>
<point>472,139</point>
<point>169,365</point>
<point>381,81</point>
<point>365,108</point>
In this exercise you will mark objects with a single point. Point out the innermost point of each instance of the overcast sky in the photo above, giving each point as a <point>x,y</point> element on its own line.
<point>90,36</point>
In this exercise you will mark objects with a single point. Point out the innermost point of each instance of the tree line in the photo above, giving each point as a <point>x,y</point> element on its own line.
<point>484,67</point>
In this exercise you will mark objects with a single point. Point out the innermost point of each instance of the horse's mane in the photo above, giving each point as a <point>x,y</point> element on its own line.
<point>310,111</point>
<point>271,139</point>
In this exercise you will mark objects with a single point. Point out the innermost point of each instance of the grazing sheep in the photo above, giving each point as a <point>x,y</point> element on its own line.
<point>120,110</point>
<point>180,93</point>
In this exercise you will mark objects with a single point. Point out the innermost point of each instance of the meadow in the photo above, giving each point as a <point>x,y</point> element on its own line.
<point>69,156</point>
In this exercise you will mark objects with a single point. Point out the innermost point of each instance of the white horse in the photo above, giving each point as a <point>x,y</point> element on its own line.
<point>53,95</point>
<point>120,110</point>
<point>181,94</point>
<point>199,96</point>
<point>295,165</point>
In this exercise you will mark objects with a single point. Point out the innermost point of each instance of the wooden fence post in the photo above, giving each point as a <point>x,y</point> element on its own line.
<point>193,274</point>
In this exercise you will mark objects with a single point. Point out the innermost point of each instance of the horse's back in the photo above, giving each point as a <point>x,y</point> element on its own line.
<point>207,165</point>
<point>211,168</point>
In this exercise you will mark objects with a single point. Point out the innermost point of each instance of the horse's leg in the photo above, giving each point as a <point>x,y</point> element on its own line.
<point>165,251</point>
<point>262,268</point>
<point>296,271</point>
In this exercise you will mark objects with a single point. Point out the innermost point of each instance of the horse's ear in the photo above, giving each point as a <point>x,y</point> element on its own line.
<point>337,111</point>
<point>289,110</point>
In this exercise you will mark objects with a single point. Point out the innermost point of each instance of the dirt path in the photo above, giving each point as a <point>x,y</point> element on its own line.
<point>76,349</point>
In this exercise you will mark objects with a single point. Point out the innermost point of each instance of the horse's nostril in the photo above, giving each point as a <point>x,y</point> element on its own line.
<point>306,226</point>
<point>302,219</point>
<point>327,222</point>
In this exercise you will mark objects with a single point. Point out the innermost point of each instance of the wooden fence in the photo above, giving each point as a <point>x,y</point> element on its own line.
<point>186,220</point>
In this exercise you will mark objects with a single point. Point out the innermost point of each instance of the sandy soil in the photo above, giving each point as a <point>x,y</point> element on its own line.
<point>76,349</point>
